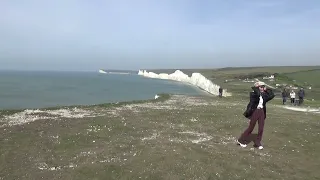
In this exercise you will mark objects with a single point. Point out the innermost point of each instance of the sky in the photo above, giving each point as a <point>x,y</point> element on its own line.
<point>144,34</point>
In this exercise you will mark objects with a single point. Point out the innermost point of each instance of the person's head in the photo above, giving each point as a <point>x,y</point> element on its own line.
<point>260,85</point>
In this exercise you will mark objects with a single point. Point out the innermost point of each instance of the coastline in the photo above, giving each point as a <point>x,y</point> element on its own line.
<point>196,79</point>
<point>162,97</point>
<point>32,90</point>
<point>177,76</point>
<point>13,117</point>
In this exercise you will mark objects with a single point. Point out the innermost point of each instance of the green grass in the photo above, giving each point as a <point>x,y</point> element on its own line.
<point>286,74</point>
<point>310,77</point>
<point>242,70</point>
<point>188,138</point>
<point>303,76</point>
<point>270,69</point>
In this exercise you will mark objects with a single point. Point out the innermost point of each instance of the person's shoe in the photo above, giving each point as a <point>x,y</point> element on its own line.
<point>259,147</point>
<point>242,145</point>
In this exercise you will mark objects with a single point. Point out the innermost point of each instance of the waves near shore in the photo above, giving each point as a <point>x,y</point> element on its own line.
<point>196,79</point>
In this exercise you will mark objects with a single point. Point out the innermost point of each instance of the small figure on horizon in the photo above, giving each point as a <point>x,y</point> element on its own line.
<point>284,96</point>
<point>256,111</point>
<point>220,91</point>
<point>301,95</point>
<point>292,96</point>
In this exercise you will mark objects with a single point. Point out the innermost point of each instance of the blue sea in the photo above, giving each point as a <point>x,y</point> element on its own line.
<point>21,90</point>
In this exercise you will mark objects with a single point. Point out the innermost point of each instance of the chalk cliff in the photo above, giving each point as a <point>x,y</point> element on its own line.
<point>196,79</point>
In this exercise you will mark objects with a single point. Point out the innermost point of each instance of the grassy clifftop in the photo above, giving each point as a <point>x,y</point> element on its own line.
<point>304,76</point>
<point>180,138</point>
<point>228,78</point>
<point>310,77</point>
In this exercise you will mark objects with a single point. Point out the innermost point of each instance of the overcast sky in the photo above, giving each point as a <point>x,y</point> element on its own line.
<point>133,34</point>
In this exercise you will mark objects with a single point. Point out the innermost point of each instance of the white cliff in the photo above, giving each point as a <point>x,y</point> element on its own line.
<point>102,71</point>
<point>196,79</point>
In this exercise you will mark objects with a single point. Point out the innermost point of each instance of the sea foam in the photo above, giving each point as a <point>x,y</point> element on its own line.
<point>196,79</point>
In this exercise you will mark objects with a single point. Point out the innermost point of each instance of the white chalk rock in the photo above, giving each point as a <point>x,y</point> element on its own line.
<point>163,76</point>
<point>196,79</point>
<point>179,76</point>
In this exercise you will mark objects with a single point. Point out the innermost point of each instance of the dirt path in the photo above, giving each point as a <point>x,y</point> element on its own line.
<point>302,109</point>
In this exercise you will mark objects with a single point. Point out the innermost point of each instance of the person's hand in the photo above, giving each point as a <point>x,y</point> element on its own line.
<point>257,84</point>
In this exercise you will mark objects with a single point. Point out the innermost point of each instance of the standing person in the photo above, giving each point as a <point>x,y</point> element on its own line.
<point>220,91</point>
<point>292,96</point>
<point>284,96</point>
<point>301,96</point>
<point>256,111</point>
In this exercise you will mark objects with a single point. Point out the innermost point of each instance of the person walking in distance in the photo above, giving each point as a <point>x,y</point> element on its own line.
<point>220,91</point>
<point>301,95</point>
<point>292,96</point>
<point>284,97</point>
<point>256,111</point>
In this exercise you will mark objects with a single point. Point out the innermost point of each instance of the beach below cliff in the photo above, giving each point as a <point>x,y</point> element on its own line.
<point>173,137</point>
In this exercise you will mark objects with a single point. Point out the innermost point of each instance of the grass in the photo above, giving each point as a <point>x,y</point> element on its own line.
<point>304,76</point>
<point>309,77</point>
<point>174,137</point>
<point>241,70</point>
<point>181,138</point>
<point>306,79</point>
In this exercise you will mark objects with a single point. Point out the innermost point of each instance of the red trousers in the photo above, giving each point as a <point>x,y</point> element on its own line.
<point>258,115</point>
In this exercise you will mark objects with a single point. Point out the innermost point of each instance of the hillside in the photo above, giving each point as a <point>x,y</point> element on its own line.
<point>307,77</point>
<point>232,79</point>
<point>304,76</point>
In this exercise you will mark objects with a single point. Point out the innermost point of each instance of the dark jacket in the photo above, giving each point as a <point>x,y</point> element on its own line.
<point>284,94</point>
<point>301,93</point>
<point>254,101</point>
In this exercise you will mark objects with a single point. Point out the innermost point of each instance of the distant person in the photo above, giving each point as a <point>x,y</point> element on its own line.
<point>301,95</point>
<point>284,96</point>
<point>256,111</point>
<point>220,91</point>
<point>292,96</point>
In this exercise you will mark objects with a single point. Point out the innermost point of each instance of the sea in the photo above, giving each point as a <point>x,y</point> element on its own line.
<point>39,89</point>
